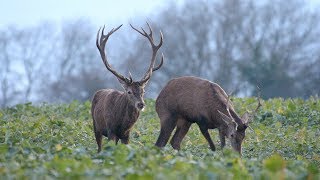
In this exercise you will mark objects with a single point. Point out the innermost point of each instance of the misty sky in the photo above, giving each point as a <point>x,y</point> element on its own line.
<point>27,13</point>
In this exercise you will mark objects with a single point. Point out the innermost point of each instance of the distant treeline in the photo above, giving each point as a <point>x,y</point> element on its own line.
<point>239,44</point>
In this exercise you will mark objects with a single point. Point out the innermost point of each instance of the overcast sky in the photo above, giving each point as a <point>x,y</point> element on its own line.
<point>30,12</point>
<point>23,13</point>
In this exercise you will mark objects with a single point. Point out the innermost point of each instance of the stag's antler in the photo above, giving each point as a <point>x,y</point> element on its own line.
<point>230,118</point>
<point>101,43</point>
<point>155,49</point>
<point>259,102</point>
<point>249,116</point>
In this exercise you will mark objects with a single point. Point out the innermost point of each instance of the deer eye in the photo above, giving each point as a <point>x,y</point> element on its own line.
<point>232,135</point>
<point>129,92</point>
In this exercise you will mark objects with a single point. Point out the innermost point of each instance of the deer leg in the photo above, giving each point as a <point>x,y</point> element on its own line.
<point>167,126</point>
<point>116,140</point>
<point>99,140</point>
<point>125,139</point>
<point>222,139</point>
<point>181,131</point>
<point>113,137</point>
<point>204,131</point>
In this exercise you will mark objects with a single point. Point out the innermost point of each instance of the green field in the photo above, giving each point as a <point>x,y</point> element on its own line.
<point>57,141</point>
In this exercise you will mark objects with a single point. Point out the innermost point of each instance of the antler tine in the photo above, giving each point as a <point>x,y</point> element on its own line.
<point>155,49</point>
<point>259,102</point>
<point>102,34</point>
<point>251,115</point>
<point>161,40</point>
<point>228,106</point>
<point>148,75</point>
<point>101,43</point>
<point>150,29</point>
<point>256,110</point>
<point>104,38</point>
<point>228,109</point>
<point>161,62</point>
<point>97,39</point>
<point>228,99</point>
<point>143,34</point>
<point>130,76</point>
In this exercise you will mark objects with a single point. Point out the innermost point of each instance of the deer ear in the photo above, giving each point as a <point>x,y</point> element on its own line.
<point>225,118</point>
<point>143,84</point>
<point>245,117</point>
<point>123,83</point>
<point>228,120</point>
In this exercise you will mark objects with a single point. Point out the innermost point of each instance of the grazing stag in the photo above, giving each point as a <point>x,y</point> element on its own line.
<point>188,100</point>
<point>114,112</point>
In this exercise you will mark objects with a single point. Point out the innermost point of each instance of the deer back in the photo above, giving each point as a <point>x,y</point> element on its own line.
<point>192,97</point>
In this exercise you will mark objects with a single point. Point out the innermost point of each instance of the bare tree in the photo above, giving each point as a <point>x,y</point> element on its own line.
<point>310,78</point>
<point>75,74</point>
<point>43,63</point>
<point>8,91</point>
<point>186,47</point>
<point>271,43</point>
<point>5,69</point>
<point>32,47</point>
<point>256,43</point>
<point>277,39</point>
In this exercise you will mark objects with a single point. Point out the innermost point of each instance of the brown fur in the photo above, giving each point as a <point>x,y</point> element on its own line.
<point>113,115</point>
<point>188,100</point>
<point>115,112</point>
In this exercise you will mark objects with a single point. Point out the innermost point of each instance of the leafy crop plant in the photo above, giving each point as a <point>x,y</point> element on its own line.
<point>57,141</point>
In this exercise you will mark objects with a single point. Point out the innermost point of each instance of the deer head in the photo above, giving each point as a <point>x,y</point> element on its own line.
<point>236,132</point>
<point>134,90</point>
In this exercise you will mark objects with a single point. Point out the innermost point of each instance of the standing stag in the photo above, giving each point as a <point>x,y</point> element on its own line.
<point>114,112</point>
<point>188,100</point>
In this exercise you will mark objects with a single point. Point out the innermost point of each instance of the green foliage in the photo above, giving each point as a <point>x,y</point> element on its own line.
<point>57,141</point>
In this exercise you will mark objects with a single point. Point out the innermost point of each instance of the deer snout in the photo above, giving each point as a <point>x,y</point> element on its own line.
<point>140,105</point>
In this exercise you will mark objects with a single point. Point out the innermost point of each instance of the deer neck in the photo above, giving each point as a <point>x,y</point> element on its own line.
<point>129,112</point>
<point>130,108</point>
